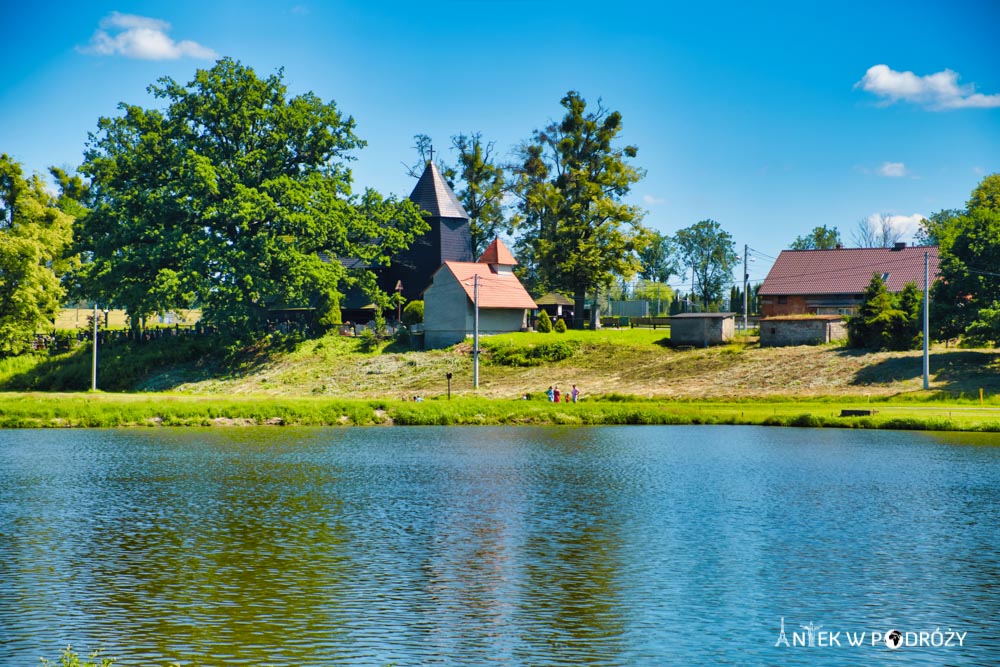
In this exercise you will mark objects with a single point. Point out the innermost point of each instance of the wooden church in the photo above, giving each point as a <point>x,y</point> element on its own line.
<point>440,269</point>
<point>442,259</point>
<point>448,240</point>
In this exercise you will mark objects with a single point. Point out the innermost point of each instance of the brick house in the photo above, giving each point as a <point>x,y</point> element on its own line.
<point>833,282</point>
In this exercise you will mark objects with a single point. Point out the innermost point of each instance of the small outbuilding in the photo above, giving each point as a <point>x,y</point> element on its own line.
<point>556,305</point>
<point>702,329</point>
<point>449,302</point>
<point>815,330</point>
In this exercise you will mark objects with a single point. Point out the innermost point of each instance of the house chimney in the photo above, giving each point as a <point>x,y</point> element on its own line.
<point>840,246</point>
<point>900,245</point>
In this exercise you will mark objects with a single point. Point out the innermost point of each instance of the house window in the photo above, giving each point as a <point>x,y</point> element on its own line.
<point>885,277</point>
<point>782,299</point>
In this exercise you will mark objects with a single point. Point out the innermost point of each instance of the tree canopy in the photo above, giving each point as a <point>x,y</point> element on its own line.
<point>236,196</point>
<point>34,236</point>
<point>967,295</point>
<point>820,238</point>
<point>709,252</point>
<point>885,321</point>
<point>576,232</point>
<point>658,258</point>
<point>482,185</point>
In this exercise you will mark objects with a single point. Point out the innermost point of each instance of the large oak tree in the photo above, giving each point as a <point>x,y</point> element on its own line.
<point>236,196</point>
<point>34,236</point>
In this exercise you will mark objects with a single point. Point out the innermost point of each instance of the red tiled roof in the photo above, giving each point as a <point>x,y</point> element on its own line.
<point>498,253</point>
<point>846,270</point>
<point>501,290</point>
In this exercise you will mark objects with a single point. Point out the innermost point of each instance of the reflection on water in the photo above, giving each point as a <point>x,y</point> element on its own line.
<point>542,546</point>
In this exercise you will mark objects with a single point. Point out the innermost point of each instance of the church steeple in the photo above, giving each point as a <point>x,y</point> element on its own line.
<point>434,197</point>
<point>449,238</point>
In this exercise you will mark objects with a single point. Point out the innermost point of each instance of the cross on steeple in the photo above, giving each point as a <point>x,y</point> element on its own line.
<point>432,153</point>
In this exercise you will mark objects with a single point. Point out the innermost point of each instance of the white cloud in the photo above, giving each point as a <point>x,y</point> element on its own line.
<point>650,200</point>
<point>937,91</point>
<point>908,225</point>
<point>893,170</point>
<point>143,38</point>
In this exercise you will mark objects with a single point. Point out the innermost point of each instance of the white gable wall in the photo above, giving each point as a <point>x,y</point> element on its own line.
<point>446,311</point>
<point>449,315</point>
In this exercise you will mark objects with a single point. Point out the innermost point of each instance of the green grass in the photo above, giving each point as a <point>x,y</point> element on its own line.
<point>145,410</point>
<point>627,337</point>
<point>627,376</point>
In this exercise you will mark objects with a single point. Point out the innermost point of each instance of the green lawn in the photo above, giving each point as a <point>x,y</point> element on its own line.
<point>114,410</point>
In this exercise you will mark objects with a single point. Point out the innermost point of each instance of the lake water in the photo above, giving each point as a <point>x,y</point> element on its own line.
<point>499,546</point>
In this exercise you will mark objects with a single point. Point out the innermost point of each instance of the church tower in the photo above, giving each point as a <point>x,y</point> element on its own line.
<point>448,240</point>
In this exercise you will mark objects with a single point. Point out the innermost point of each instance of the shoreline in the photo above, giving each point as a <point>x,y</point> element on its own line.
<point>105,410</point>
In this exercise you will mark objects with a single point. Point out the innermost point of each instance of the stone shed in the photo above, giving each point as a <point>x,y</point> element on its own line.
<point>816,330</point>
<point>702,329</point>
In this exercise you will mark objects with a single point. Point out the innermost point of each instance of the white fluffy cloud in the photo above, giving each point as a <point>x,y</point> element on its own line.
<point>893,170</point>
<point>937,91</point>
<point>650,200</point>
<point>908,225</point>
<point>142,37</point>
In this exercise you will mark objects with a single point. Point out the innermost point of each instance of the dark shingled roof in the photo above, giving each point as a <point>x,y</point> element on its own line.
<point>433,195</point>
<point>846,270</point>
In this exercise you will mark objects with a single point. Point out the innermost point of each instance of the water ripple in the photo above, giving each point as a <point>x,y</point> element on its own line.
<point>450,546</point>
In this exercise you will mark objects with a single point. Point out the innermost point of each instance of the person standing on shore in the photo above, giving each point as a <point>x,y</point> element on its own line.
<point>556,394</point>
<point>575,393</point>
<point>550,394</point>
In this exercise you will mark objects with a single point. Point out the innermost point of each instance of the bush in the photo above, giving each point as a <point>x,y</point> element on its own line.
<point>556,351</point>
<point>560,326</point>
<point>413,313</point>
<point>544,323</point>
<point>511,355</point>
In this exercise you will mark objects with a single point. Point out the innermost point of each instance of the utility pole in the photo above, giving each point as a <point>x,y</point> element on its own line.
<point>927,321</point>
<point>93,365</point>
<point>746,275</point>
<point>475,334</point>
<point>691,298</point>
<point>399,302</point>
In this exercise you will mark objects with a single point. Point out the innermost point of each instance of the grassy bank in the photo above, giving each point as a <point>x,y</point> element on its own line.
<point>627,377</point>
<point>36,410</point>
<point>629,362</point>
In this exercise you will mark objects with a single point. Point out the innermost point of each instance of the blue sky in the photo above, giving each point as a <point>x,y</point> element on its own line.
<point>771,118</point>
